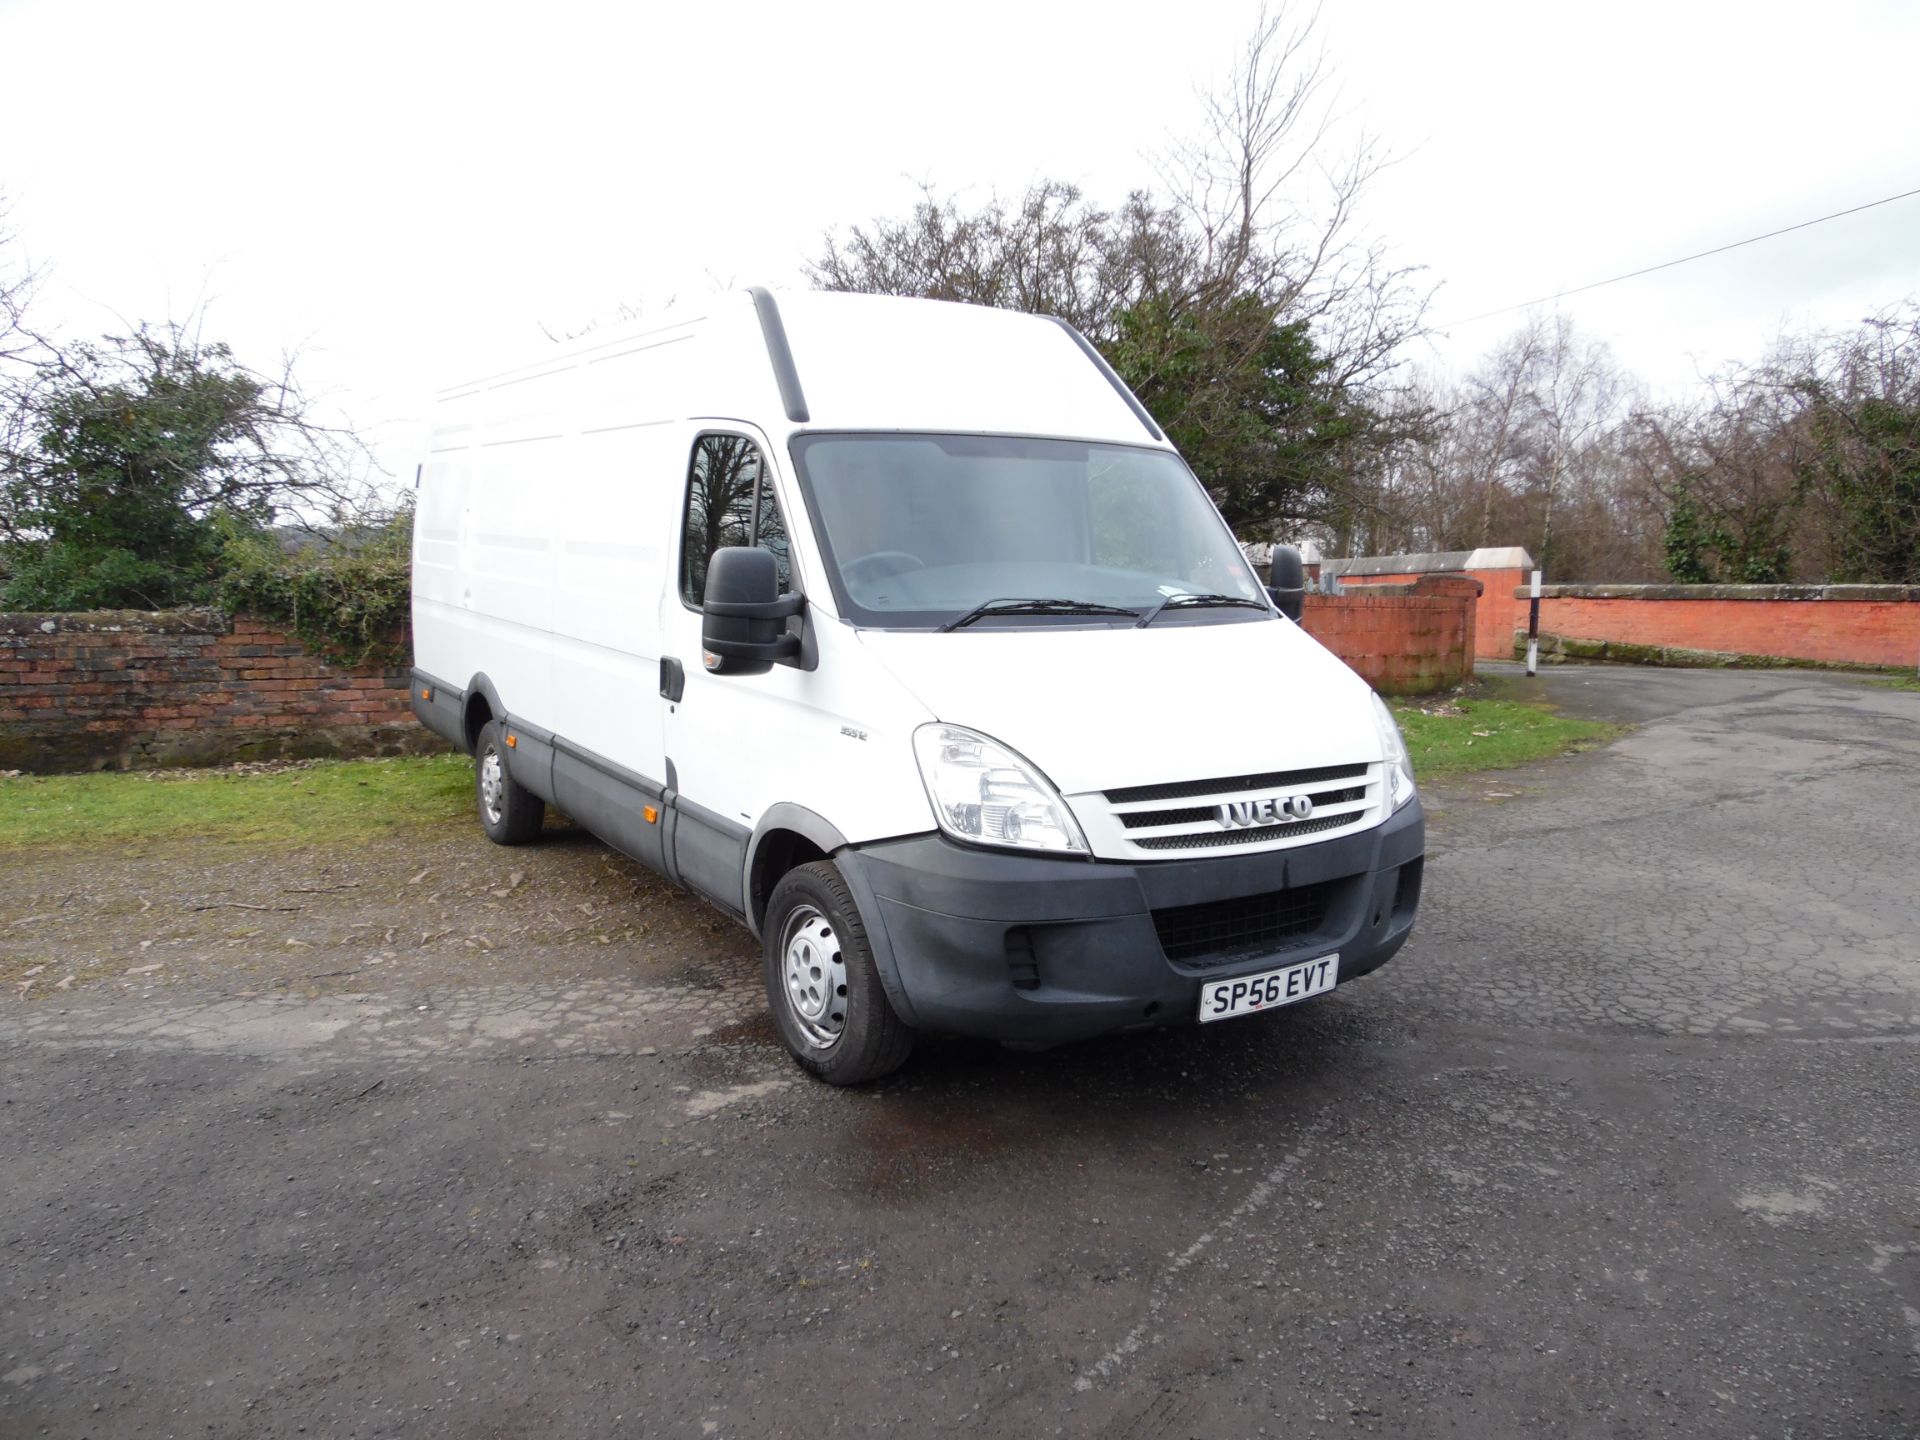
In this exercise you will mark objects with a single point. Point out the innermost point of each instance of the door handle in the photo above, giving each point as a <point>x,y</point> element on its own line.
<point>673,678</point>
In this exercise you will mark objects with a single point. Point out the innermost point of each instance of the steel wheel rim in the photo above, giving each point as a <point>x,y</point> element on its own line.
<point>493,784</point>
<point>813,976</point>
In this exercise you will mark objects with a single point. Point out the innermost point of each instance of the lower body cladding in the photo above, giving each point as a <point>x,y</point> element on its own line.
<point>1042,950</point>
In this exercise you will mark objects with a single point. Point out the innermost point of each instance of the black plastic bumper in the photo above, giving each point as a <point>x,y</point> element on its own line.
<point>1016,947</point>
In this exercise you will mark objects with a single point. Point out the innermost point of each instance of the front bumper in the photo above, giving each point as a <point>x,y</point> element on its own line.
<point>1044,950</point>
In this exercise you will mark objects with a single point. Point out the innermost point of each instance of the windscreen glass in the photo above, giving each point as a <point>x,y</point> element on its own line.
<point>918,530</point>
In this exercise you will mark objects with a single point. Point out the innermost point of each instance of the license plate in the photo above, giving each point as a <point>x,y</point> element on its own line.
<point>1223,999</point>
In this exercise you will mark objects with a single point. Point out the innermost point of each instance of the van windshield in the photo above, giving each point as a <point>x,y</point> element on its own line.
<point>921,530</point>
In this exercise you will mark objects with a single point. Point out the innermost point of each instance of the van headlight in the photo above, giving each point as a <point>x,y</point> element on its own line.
<point>985,794</point>
<point>1399,763</point>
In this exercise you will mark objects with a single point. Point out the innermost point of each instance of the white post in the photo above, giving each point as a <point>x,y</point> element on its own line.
<point>1533,629</point>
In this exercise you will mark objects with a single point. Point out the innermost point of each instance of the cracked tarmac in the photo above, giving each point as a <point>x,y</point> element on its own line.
<point>1623,1143</point>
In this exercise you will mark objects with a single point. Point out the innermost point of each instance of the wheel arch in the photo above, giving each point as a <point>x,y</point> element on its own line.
<point>787,836</point>
<point>482,704</point>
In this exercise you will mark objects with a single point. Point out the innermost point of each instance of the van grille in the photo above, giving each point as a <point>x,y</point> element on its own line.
<point>1135,819</point>
<point>1272,780</point>
<point>1219,931</point>
<point>1155,820</point>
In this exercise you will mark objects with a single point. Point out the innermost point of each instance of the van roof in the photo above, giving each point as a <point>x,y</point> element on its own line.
<point>879,360</point>
<point>824,360</point>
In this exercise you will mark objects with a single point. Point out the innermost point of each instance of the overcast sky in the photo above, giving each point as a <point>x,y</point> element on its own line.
<point>400,188</point>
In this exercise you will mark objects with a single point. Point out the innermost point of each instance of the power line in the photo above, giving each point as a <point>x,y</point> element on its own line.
<point>1669,264</point>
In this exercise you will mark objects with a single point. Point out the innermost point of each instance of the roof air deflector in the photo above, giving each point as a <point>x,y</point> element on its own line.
<point>792,398</point>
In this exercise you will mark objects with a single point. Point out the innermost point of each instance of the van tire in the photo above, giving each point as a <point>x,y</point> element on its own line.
<point>871,1040</point>
<point>510,813</point>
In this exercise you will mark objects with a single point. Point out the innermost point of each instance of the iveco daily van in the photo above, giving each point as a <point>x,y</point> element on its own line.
<point>899,631</point>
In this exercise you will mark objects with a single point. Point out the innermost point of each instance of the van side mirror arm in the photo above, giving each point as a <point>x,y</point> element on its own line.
<point>752,655</point>
<point>753,658</point>
<point>792,603</point>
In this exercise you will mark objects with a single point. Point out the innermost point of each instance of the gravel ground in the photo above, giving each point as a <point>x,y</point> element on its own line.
<point>449,1140</point>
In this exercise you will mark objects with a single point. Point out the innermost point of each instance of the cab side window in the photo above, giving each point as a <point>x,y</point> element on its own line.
<point>730,501</point>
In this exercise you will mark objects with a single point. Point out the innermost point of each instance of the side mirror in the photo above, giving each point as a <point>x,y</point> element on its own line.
<point>1287,582</point>
<point>743,619</point>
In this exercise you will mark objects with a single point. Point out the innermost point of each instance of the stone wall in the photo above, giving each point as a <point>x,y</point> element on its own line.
<point>129,690</point>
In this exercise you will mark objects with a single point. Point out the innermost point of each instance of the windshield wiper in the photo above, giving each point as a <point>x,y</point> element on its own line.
<point>1014,606</point>
<point>1185,601</point>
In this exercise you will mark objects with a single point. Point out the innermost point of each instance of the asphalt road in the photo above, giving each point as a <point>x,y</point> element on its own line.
<point>1626,1142</point>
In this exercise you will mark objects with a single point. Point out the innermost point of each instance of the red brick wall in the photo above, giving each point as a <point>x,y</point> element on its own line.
<point>124,689</point>
<point>1496,615</point>
<point>1844,624</point>
<point>1406,640</point>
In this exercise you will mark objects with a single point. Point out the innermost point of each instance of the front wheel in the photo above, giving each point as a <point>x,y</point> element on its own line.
<point>510,813</point>
<point>822,984</point>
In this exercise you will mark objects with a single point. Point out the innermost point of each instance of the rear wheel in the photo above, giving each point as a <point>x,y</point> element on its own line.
<point>510,813</point>
<point>822,984</point>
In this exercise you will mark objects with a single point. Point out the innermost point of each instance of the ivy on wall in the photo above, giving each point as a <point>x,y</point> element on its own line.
<point>347,601</point>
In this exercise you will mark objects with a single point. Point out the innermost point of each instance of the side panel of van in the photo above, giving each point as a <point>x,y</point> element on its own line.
<point>483,601</point>
<point>613,516</point>
<point>439,524</point>
<point>613,521</point>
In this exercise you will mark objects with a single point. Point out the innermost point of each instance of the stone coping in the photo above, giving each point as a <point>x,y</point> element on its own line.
<point>150,622</point>
<point>1501,557</point>
<point>1428,587</point>
<point>1880,594</point>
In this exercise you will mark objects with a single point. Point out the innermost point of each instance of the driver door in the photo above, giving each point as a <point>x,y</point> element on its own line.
<point>724,750</point>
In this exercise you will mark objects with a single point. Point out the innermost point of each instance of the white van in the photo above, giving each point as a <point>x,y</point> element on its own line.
<point>898,631</point>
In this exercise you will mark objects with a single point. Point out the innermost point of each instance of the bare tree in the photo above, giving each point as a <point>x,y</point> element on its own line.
<point>1724,473</point>
<point>1245,309</point>
<point>1859,400</point>
<point>18,280</point>
<point>1525,450</point>
<point>1802,465</point>
<point>1491,416</point>
<point>22,349</point>
<point>1576,395</point>
<point>1276,205</point>
<point>1050,251</point>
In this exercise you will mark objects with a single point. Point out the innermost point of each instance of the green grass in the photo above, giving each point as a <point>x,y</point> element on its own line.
<point>1899,682</point>
<point>343,802</point>
<point>1489,734</point>
<point>338,802</point>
